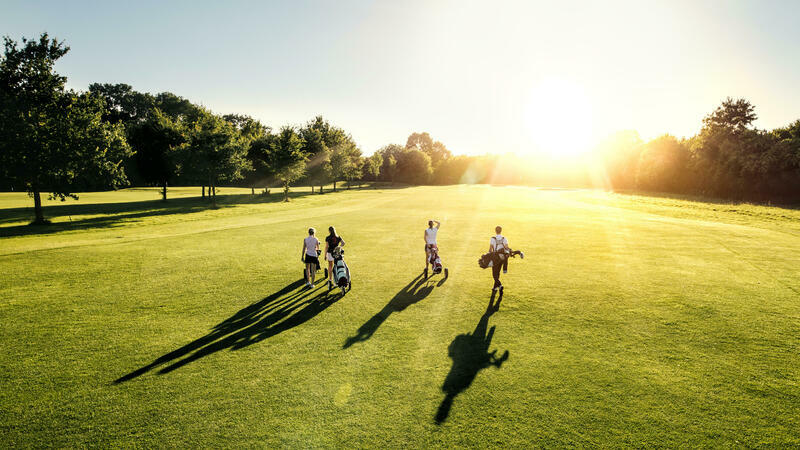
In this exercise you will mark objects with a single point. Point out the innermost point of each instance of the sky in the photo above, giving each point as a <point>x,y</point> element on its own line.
<point>482,77</point>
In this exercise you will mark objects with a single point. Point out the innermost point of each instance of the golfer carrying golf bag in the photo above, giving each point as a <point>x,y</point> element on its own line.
<point>500,252</point>
<point>430,241</point>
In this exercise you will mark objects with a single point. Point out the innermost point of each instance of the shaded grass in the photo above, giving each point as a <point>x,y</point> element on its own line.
<point>628,323</point>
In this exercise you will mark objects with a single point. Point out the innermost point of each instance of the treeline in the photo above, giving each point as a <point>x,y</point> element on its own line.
<point>728,158</point>
<point>59,141</point>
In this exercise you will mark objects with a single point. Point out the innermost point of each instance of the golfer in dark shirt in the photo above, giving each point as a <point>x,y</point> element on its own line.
<point>332,241</point>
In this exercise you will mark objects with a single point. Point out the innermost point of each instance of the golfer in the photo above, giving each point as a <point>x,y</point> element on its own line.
<point>430,240</point>
<point>498,247</point>
<point>309,256</point>
<point>332,241</point>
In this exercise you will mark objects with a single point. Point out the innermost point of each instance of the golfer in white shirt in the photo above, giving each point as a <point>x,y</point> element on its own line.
<point>430,239</point>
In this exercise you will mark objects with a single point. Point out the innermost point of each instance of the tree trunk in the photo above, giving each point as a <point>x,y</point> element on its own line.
<point>252,190</point>
<point>164,191</point>
<point>204,191</point>
<point>312,188</point>
<point>37,208</point>
<point>334,185</point>
<point>286,192</point>
<point>321,189</point>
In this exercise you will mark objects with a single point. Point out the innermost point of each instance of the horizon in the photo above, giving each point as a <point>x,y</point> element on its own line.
<point>480,79</point>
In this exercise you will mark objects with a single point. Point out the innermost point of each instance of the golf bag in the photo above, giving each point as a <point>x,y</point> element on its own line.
<point>486,260</point>
<point>341,273</point>
<point>435,261</point>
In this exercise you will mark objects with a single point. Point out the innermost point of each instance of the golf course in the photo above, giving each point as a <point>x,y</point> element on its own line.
<point>632,321</point>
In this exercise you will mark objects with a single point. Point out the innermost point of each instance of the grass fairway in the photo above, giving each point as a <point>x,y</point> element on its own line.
<point>632,321</point>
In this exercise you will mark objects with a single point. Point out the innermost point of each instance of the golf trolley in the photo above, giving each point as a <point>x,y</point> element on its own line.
<point>341,273</point>
<point>435,262</point>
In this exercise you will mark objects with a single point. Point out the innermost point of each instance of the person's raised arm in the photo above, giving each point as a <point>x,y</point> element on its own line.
<point>438,224</point>
<point>341,242</point>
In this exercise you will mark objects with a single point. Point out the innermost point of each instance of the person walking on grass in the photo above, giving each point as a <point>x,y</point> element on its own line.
<point>430,240</point>
<point>501,252</point>
<point>332,241</point>
<point>310,256</point>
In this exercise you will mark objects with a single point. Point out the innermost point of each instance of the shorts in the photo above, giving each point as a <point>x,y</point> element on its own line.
<point>311,260</point>
<point>328,257</point>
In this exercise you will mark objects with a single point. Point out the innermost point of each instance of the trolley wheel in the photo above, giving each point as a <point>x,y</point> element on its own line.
<point>446,273</point>
<point>349,286</point>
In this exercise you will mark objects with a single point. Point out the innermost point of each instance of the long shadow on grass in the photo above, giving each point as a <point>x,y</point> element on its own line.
<point>470,354</point>
<point>413,292</point>
<point>277,313</point>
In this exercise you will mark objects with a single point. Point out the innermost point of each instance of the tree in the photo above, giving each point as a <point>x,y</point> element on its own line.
<point>732,115</point>
<point>434,149</point>
<point>372,166</point>
<point>663,165</point>
<point>287,158</point>
<point>390,154</point>
<point>342,162</point>
<point>122,103</point>
<point>53,140</point>
<point>319,139</point>
<point>157,142</point>
<point>217,151</point>
<point>255,136</point>
<point>414,167</point>
<point>721,148</point>
<point>258,154</point>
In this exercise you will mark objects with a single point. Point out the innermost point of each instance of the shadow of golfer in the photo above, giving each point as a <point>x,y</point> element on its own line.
<point>416,290</point>
<point>470,354</point>
<point>276,313</point>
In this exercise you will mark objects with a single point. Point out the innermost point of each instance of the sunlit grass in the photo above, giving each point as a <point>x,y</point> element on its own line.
<point>632,320</point>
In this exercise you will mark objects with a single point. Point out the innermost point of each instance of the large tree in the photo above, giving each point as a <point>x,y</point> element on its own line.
<point>663,165</point>
<point>51,139</point>
<point>287,158</point>
<point>423,142</point>
<point>217,151</point>
<point>343,162</point>
<point>372,166</point>
<point>158,141</point>
<point>320,138</point>
<point>256,138</point>
<point>122,103</point>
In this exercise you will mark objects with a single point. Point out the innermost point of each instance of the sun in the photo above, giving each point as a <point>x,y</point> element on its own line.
<point>558,119</point>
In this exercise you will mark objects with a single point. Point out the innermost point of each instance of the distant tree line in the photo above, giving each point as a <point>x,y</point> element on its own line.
<point>58,141</point>
<point>728,158</point>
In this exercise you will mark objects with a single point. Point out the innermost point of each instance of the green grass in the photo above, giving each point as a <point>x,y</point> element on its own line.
<point>632,321</point>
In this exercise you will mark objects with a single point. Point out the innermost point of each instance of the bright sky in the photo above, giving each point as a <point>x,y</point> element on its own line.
<point>482,77</point>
